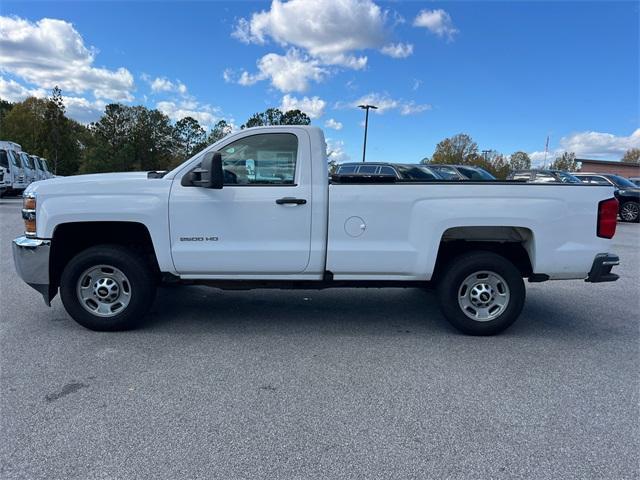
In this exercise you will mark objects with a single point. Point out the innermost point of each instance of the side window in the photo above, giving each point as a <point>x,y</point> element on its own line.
<point>600,181</point>
<point>384,170</point>
<point>526,176</point>
<point>542,177</point>
<point>347,169</point>
<point>263,159</point>
<point>367,169</point>
<point>447,173</point>
<point>4,160</point>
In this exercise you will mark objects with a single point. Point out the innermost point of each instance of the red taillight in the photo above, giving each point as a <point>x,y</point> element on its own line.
<point>607,218</point>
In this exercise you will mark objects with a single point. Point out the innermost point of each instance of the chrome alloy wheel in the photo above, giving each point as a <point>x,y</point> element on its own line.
<point>104,290</point>
<point>483,296</point>
<point>630,211</point>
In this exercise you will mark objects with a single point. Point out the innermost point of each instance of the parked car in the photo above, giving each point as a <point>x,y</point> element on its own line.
<point>402,171</point>
<point>627,193</point>
<point>105,241</point>
<point>15,179</point>
<point>635,180</point>
<point>461,172</point>
<point>543,176</point>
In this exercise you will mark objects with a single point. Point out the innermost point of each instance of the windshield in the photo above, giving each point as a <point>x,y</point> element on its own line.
<point>568,178</point>
<point>4,160</point>
<point>476,173</point>
<point>45,165</point>
<point>621,181</point>
<point>27,161</point>
<point>416,172</point>
<point>14,159</point>
<point>36,162</point>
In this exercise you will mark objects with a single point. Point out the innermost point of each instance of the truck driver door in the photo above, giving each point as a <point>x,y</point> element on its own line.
<point>259,223</point>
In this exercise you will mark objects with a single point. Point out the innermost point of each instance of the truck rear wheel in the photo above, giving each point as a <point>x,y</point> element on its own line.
<point>107,288</point>
<point>481,293</point>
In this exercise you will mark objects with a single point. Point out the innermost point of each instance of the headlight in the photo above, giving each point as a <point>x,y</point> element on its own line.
<point>29,214</point>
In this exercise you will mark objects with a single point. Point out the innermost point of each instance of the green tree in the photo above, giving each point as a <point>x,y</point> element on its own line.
<point>55,124</point>
<point>189,136</point>
<point>112,148</point>
<point>459,149</point>
<point>274,116</point>
<point>218,132</point>
<point>497,164</point>
<point>153,140</point>
<point>566,162</point>
<point>130,138</point>
<point>5,107</point>
<point>295,117</point>
<point>632,155</point>
<point>41,128</point>
<point>520,161</point>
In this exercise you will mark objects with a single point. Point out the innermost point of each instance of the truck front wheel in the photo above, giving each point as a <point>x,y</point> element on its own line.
<point>481,293</point>
<point>107,288</point>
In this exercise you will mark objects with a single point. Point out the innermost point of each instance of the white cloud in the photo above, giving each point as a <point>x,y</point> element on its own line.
<point>335,151</point>
<point>385,103</point>
<point>228,75</point>
<point>600,145</point>
<point>327,30</point>
<point>411,108</point>
<point>288,73</point>
<point>416,84</point>
<point>204,114</point>
<point>397,50</point>
<point>81,109</point>
<point>594,145</point>
<point>334,124</point>
<point>313,107</point>
<point>436,21</point>
<point>84,110</point>
<point>538,157</point>
<point>15,92</point>
<point>163,84</point>
<point>51,52</point>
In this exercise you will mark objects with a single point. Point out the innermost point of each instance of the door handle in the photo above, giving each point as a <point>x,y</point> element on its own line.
<point>291,201</point>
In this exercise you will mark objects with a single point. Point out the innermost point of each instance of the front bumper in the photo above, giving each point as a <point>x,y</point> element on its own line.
<point>601,268</point>
<point>31,258</point>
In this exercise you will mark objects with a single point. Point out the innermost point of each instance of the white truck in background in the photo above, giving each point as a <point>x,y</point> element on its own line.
<point>14,177</point>
<point>258,210</point>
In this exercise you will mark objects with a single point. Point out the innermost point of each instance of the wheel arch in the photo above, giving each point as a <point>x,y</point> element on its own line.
<point>516,244</point>
<point>70,238</point>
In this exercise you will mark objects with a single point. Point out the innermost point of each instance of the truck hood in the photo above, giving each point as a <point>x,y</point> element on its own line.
<point>93,183</point>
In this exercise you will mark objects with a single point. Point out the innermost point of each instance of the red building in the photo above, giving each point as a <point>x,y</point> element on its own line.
<point>624,169</point>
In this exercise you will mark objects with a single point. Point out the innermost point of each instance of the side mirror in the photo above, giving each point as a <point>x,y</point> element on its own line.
<point>209,174</point>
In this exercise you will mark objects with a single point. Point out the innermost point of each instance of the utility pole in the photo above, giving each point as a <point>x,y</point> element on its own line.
<point>366,126</point>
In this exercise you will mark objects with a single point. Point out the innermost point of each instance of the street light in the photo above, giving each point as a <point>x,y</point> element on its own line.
<point>366,126</point>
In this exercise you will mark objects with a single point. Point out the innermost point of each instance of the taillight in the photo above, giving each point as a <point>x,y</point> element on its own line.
<point>607,218</point>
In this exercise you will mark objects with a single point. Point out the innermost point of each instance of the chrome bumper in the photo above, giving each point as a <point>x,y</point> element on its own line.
<point>31,258</point>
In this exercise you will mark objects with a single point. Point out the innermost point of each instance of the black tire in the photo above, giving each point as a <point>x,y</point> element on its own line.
<point>140,283</point>
<point>630,212</point>
<point>450,286</point>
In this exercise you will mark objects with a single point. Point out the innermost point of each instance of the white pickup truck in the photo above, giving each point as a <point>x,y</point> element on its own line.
<point>258,210</point>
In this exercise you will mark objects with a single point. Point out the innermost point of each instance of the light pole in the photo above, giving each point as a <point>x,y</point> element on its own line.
<point>366,126</point>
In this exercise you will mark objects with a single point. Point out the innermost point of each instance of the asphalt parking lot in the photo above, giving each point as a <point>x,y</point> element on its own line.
<point>332,384</point>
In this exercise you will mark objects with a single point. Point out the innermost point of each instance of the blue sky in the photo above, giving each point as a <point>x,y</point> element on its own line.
<point>507,73</point>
